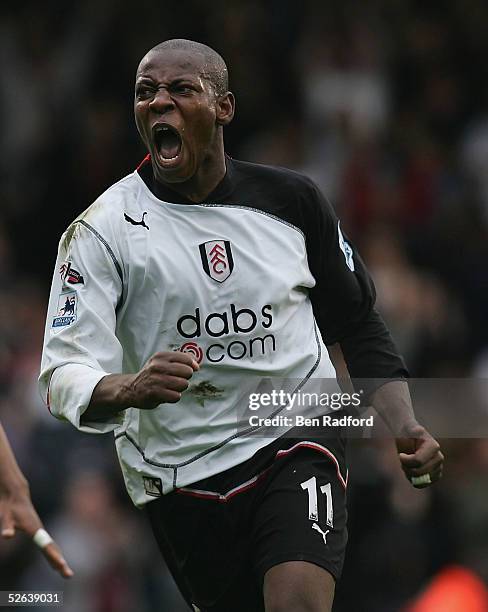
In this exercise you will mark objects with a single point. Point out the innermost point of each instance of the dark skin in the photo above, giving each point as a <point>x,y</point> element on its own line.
<point>172,90</point>
<point>419,453</point>
<point>16,509</point>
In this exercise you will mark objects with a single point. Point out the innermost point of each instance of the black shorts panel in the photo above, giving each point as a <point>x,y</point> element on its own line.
<point>283,527</point>
<point>220,535</point>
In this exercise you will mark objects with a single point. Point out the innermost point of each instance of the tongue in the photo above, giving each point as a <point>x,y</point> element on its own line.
<point>170,145</point>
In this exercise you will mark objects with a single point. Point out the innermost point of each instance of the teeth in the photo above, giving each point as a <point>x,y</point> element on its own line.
<point>161,129</point>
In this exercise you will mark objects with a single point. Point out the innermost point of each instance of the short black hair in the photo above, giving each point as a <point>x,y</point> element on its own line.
<point>215,69</point>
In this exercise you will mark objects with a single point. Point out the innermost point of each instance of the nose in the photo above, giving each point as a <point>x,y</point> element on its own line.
<point>162,101</point>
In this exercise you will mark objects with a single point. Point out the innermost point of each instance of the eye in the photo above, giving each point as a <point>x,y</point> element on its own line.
<point>183,89</point>
<point>143,92</point>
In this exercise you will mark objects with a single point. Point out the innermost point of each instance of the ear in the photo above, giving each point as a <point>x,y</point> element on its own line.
<point>225,108</point>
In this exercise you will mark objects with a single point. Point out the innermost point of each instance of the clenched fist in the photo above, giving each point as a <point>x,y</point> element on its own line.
<point>420,454</point>
<point>162,379</point>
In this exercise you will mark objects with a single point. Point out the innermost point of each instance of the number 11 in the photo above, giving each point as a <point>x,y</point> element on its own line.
<point>313,510</point>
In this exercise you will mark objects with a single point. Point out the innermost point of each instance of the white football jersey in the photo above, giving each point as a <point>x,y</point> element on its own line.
<point>228,281</point>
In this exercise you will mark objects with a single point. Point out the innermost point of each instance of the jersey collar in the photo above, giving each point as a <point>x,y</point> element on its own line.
<point>166,194</point>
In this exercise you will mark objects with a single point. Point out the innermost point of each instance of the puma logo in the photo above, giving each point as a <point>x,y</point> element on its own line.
<point>141,222</point>
<point>323,534</point>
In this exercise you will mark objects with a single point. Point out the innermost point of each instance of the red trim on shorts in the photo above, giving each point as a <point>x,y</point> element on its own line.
<point>320,449</point>
<point>224,497</point>
<point>252,482</point>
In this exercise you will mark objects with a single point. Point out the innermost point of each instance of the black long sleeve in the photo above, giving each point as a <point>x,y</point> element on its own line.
<point>344,297</point>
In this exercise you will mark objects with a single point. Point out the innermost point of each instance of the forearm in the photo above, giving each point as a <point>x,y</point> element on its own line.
<point>391,400</point>
<point>111,395</point>
<point>373,362</point>
<point>11,477</point>
<point>393,403</point>
<point>340,366</point>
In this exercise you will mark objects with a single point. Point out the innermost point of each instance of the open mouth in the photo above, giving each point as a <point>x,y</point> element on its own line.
<point>167,141</point>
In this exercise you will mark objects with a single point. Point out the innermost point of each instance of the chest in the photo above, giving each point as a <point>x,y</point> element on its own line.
<point>214,256</point>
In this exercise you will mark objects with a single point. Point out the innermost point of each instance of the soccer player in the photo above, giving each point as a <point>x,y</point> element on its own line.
<point>179,287</point>
<point>17,511</point>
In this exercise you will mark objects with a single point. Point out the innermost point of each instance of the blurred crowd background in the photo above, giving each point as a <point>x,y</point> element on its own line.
<point>385,105</point>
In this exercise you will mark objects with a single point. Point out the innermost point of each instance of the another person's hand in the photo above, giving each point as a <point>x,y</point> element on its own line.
<point>17,512</point>
<point>420,457</point>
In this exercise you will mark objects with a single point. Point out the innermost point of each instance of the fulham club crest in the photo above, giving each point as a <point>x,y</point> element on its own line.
<point>217,259</point>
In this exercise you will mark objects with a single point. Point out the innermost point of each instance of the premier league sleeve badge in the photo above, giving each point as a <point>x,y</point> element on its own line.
<point>66,310</point>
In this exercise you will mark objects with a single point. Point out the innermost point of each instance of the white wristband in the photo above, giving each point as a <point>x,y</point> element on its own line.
<point>42,538</point>
<point>421,480</point>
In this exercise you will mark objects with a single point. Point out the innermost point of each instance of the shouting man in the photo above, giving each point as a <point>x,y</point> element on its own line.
<point>188,280</point>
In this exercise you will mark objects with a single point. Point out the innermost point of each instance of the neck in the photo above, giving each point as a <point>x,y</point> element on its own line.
<point>209,174</point>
